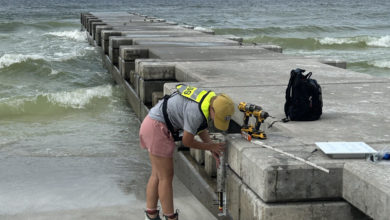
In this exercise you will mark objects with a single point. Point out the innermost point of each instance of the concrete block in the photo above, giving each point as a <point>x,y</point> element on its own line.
<point>156,71</point>
<point>146,88</point>
<point>132,99</point>
<point>107,63</point>
<point>204,30</point>
<point>253,208</point>
<point>93,28</point>
<point>116,75</point>
<point>128,53</point>
<point>192,152</point>
<point>209,164</point>
<point>116,42</point>
<point>90,22</point>
<point>88,17</point>
<point>336,63</point>
<point>132,77</point>
<point>98,33</point>
<point>196,180</point>
<point>276,177</point>
<point>125,68</point>
<point>199,155</point>
<point>135,78</point>
<point>233,190</point>
<point>105,35</point>
<point>156,97</point>
<point>274,48</point>
<point>144,111</point>
<point>90,40</point>
<point>234,149</point>
<point>235,38</point>
<point>188,26</point>
<point>171,23</point>
<point>141,60</point>
<point>113,54</point>
<point>89,27</point>
<point>367,187</point>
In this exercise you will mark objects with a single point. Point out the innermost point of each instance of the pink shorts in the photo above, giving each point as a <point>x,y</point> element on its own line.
<point>155,137</point>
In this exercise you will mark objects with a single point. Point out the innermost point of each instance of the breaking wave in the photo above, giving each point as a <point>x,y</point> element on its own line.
<point>282,30</point>
<point>48,103</point>
<point>324,43</point>
<point>383,41</point>
<point>73,35</point>
<point>45,25</point>
<point>9,59</point>
<point>381,63</point>
<point>384,64</point>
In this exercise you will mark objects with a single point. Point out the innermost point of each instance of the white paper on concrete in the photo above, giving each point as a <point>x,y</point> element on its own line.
<point>346,149</point>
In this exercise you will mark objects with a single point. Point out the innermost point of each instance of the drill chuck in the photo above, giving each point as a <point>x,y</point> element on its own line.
<point>247,107</point>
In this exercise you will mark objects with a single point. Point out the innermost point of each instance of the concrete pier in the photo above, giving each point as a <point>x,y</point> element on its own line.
<point>149,56</point>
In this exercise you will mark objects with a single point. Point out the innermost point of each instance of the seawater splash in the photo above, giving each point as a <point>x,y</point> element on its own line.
<point>381,63</point>
<point>9,59</point>
<point>383,41</point>
<point>79,98</point>
<point>73,35</point>
<point>47,103</point>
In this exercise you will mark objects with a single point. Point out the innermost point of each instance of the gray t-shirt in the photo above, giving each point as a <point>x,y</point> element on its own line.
<point>182,112</point>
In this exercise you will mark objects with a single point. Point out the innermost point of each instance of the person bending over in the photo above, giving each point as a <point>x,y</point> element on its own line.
<point>186,112</point>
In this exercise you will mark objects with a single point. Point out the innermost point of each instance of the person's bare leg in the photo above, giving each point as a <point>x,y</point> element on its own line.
<point>152,190</point>
<point>164,170</point>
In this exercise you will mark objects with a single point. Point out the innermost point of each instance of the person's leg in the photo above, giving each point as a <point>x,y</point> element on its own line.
<point>152,192</point>
<point>164,170</point>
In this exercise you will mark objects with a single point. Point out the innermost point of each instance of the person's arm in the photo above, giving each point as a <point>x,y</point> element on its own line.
<point>204,136</point>
<point>189,141</point>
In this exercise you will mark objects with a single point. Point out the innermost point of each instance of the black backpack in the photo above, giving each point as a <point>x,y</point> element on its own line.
<point>303,97</point>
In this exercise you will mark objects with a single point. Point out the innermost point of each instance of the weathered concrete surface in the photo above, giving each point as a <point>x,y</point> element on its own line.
<point>273,177</point>
<point>210,164</point>
<point>196,180</point>
<point>367,186</point>
<point>283,179</point>
<point>251,207</point>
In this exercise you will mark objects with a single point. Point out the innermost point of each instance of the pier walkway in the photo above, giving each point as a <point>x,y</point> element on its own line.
<point>148,56</point>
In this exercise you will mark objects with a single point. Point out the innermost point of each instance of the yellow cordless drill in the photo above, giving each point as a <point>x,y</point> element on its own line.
<point>260,116</point>
<point>248,110</point>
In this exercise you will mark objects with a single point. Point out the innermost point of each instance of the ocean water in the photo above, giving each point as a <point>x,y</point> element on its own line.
<point>58,106</point>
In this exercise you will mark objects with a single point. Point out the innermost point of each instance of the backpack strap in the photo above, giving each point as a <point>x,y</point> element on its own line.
<point>175,135</point>
<point>308,75</point>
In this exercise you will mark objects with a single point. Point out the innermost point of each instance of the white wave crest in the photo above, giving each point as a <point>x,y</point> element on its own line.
<point>381,63</point>
<point>81,97</point>
<point>74,35</point>
<point>383,41</point>
<point>74,99</point>
<point>332,40</point>
<point>9,59</point>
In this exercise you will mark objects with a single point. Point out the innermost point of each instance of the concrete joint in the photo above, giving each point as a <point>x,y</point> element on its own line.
<point>156,71</point>
<point>130,54</point>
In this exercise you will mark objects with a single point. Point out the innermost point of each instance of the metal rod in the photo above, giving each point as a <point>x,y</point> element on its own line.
<point>291,155</point>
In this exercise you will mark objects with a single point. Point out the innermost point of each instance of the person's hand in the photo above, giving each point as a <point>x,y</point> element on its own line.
<point>217,148</point>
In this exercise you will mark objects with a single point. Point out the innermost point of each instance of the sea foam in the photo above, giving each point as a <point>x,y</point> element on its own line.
<point>79,98</point>
<point>383,41</point>
<point>73,35</point>
<point>76,99</point>
<point>381,63</point>
<point>9,59</point>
